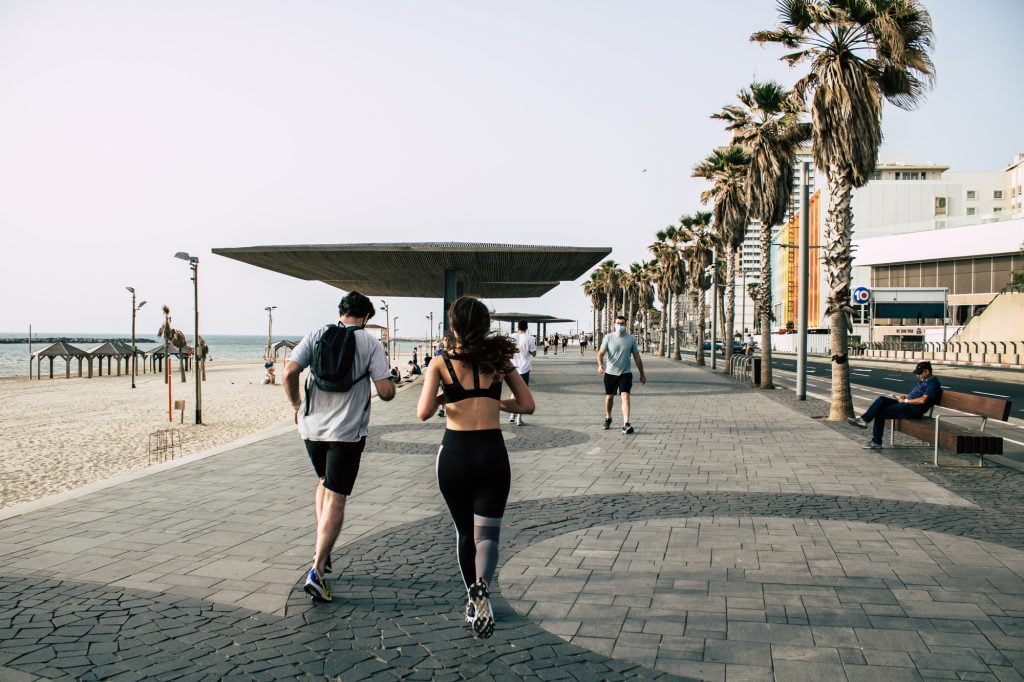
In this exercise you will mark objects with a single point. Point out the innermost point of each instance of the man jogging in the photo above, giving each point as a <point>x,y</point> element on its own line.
<point>619,348</point>
<point>334,416</point>
<point>526,350</point>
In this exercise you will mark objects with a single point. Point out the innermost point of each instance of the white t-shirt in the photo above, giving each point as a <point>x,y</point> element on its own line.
<point>525,344</point>
<point>335,416</point>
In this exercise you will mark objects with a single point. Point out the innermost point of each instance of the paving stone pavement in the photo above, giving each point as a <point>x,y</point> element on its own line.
<point>733,537</point>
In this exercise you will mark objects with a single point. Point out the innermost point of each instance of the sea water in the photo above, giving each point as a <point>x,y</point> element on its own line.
<point>14,356</point>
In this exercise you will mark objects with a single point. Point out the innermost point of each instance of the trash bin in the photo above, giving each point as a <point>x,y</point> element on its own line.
<point>757,371</point>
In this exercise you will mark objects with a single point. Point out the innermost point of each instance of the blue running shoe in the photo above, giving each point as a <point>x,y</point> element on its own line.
<point>316,588</point>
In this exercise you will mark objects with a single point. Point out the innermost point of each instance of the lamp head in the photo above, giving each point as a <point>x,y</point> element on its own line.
<point>183,255</point>
<point>141,304</point>
<point>130,289</point>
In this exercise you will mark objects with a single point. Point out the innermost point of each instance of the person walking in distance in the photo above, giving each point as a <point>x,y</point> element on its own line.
<point>583,343</point>
<point>526,350</point>
<point>619,348</point>
<point>335,415</point>
<point>473,470</point>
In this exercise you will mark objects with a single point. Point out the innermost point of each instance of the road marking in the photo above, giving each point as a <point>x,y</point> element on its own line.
<point>892,379</point>
<point>997,395</point>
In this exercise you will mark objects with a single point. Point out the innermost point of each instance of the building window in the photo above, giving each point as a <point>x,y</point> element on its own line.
<point>940,205</point>
<point>971,210</point>
<point>876,176</point>
<point>972,194</point>
<point>997,194</point>
<point>924,175</point>
<point>997,210</point>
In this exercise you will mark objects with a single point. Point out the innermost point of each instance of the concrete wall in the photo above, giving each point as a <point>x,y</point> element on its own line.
<point>1002,320</point>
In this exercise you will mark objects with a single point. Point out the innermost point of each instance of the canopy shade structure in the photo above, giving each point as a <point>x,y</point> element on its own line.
<point>428,269</point>
<point>540,320</point>
<point>60,349</point>
<point>529,317</point>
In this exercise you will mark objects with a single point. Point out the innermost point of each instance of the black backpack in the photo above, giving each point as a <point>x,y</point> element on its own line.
<point>333,357</point>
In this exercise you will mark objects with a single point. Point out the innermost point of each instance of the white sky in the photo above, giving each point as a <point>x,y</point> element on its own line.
<point>133,130</point>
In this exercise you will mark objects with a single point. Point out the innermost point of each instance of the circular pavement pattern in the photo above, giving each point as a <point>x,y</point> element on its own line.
<point>398,600</point>
<point>417,438</point>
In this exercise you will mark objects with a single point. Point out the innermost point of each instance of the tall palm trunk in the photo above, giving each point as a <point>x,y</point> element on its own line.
<point>676,353</point>
<point>764,301</point>
<point>730,305</point>
<point>699,299</point>
<point>663,332</point>
<point>839,262</point>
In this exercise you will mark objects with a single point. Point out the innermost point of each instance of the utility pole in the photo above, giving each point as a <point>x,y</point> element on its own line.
<point>387,327</point>
<point>805,279</point>
<point>135,309</point>
<point>193,263</point>
<point>270,330</point>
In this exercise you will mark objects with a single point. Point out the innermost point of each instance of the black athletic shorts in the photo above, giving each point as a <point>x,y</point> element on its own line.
<point>622,382</point>
<point>336,463</point>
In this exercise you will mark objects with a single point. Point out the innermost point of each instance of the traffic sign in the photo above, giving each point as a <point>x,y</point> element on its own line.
<point>861,296</point>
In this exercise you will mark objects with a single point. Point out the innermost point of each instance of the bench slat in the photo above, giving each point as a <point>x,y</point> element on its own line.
<point>993,408</point>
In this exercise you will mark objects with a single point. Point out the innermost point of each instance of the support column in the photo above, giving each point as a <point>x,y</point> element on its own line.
<point>452,290</point>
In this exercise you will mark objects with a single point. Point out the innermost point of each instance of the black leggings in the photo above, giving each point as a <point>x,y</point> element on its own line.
<point>474,476</point>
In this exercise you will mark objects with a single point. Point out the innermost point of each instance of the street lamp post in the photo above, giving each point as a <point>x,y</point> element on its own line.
<point>387,325</point>
<point>430,332</point>
<point>194,264</point>
<point>270,330</point>
<point>394,334</point>
<point>135,309</point>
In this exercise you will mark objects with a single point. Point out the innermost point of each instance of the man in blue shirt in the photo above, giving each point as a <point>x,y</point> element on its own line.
<point>913,405</point>
<point>619,348</point>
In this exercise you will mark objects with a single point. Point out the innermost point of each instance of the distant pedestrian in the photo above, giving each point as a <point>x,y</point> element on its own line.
<point>620,349</point>
<point>583,343</point>
<point>565,343</point>
<point>334,417</point>
<point>473,469</point>
<point>913,405</point>
<point>526,350</point>
<point>446,343</point>
<point>414,356</point>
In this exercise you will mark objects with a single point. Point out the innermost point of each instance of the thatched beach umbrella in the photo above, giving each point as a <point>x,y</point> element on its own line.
<point>60,349</point>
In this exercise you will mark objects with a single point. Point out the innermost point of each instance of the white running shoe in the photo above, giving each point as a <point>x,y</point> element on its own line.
<point>483,615</point>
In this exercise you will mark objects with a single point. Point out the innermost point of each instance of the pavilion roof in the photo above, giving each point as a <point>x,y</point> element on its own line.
<point>485,270</point>
<point>59,349</point>
<point>529,317</point>
<point>106,349</point>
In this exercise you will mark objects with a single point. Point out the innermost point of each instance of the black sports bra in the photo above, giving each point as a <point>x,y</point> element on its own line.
<point>454,392</point>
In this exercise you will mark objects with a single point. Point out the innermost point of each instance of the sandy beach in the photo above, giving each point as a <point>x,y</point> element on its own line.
<point>61,434</point>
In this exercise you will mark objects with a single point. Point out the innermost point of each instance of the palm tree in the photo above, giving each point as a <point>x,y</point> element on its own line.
<point>644,277</point>
<point>671,282</point>
<point>180,341</point>
<point>727,169</point>
<point>861,52</point>
<point>609,274</point>
<point>698,242</point>
<point>766,123</point>
<point>592,288</point>
<point>166,331</point>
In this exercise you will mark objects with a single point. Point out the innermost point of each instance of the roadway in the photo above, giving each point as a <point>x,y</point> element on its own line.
<point>867,382</point>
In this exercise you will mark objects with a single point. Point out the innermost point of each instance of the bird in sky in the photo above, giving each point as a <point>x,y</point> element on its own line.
<point>644,170</point>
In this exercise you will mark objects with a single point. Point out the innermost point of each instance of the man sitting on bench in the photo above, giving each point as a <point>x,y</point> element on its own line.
<point>913,405</point>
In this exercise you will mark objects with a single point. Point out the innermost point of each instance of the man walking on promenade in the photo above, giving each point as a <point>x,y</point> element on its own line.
<point>334,416</point>
<point>913,405</point>
<point>619,348</point>
<point>526,350</point>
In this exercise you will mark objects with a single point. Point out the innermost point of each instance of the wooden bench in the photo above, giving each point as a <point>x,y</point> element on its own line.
<point>959,439</point>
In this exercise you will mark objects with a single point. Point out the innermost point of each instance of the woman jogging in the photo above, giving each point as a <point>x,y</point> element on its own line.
<point>472,463</point>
